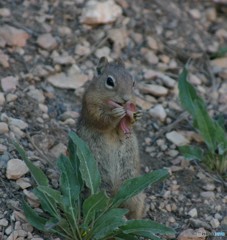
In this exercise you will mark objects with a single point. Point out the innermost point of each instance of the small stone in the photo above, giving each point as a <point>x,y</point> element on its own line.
<point>13,36</point>
<point>195,13</point>
<point>11,97</point>
<point>16,168</point>
<point>96,12</point>
<point>18,123</point>
<point>143,104</point>
<point>224,221</point>
<point>58,149</point>
<point>69,114</point>
<point>2,99</point>
<point>194,79</point>
<point>211,14</point>
<point>209,187</point>
<point>220,62</point>
<point>104,51</point>
<point>3,148</point>
<point>63,60</point>
<point>47,41</point>
<point>153,89</point>
<point>9,84</point>
<point>18,133</point>
<point>5,12</point>
<point>171,220</point>
<point>193,213</point>
<point>191,234</point>
<point>4,222</point>
<point>3,128</point>
<point>61,80</point>
<point>152,43</point>
<point>37,95</point>
<point>207,194</point>
<point>177,138</point>
<point>4,59</point>
<point>151,57</point>
<point>23,183</point>
<point>31,197</point>
<point>158,112</point>
<point>43,108</point>
<point>215,223</point>
<point>198,223</point>
<point>218,216</point>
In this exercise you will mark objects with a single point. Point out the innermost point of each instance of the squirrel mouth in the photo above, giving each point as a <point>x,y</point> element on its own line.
<point>128,119</point>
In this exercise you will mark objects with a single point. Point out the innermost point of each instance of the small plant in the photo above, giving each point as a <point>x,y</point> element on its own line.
<point>212,131</point>
<point>67,213</point>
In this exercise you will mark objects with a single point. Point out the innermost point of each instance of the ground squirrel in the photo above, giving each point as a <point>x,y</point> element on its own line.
<point>105,123</point>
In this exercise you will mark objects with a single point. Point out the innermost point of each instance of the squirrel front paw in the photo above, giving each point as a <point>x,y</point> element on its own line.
<point>136,116</point>
<point>118,112</point>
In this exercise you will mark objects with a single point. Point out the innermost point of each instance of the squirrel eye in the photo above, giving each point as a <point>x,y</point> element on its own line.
<point>110,82</point>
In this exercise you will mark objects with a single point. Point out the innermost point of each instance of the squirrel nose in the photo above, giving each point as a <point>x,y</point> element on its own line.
<point>126,98</point>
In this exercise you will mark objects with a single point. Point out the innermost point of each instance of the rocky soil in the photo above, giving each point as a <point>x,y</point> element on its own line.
<point>48,53</point>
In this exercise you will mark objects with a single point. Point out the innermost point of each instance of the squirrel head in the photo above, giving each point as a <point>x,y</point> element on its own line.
<point>113,81</point>
<point>111,88</point>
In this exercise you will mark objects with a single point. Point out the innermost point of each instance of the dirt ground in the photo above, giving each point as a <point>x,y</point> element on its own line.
<point>154,39</point>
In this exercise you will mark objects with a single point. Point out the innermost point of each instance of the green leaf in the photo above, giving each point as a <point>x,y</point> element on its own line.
<point>36,172</point>
<point>47,203</point>
<point>123,236</point>
<point>191,152</point>
<point>187,93</point>
<point>51,193</point>
<point>108,223</point>
<point>88,165</point>
<point>147,227</point>
<point>206,125</point>
<point>94,204</point>
<point>75,161</point>
<point>33,218</point>
<point>134,186</point>
<point>69,185</point>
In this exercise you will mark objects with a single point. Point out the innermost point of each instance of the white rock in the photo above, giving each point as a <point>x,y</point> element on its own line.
<point>17,132</point>
<point>47,41</point>
<point>207,194</point>
<point>153,89</point>
<point>5,12</point>
<point>16,168</point>
<point>215,223</point>
<point>195,13</point>
<point>193,213</point>
<point>177,138</point>
<point>209,187</point>
<point>158,112</point>
<point>58,149</point>
<point>3,148</point>
<point>96,12</point>
<point>2,99</point>
<point>17,123</point>
<point>151,57</point>
<point>31,197</point>
<point>3,128</point>
<point>37,95</point>
<point>11,97</point>
<point>152,43</point>
<point>9,84</point>
<point>104,51</point>
<point>23,183</point>
<point>61,80</point>
<point>4,222</point>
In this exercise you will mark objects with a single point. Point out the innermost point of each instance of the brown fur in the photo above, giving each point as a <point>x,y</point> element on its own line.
<point>117,154</point>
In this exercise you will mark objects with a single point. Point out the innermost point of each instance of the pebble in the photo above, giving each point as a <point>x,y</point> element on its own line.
<point>58,149</point>
<point>4,128</point>
<point>2,99</point>
<point>11,97</point>
<point>152,43</point>
<point>23,183</point>
<point>47,41</point>
<point>145,105</point>
<point>18,133</point>
<point>177,138</point>
<point>3,148</point>
<point>193,234</point>
<point>193,213</point>
<point>207,194</point>
<point>96,12</point>
<point>104,51</point>
<point>4,222</point>
<point>4,59</point>
<point>37,95</point>
<point>158,112</point>
<point>219,62</point>
<point>13,36</point>
<point>151,57</point>
<point>9,84</point>
<point>153,89</point>
<point>17,123</point>
<point>32,199</point>
<point>211,14</point>
<point>197,223</point>
<point>215,223</point>
<point>16,168</point>
<point>5,12</point>
<point>69,114</point>
<point>209,187</point>
<point>224,221</point>
<point>195,13</point>
<point>43,108</point>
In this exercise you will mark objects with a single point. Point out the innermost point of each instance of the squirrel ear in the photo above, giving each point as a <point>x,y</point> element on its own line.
<point>119,61</point>
<point>101,65</point>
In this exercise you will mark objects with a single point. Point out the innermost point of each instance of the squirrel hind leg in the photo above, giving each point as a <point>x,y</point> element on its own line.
<point>136,206</point>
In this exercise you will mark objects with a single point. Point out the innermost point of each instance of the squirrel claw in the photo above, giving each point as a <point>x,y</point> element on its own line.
<point>137,116</point>
<point>118,112</point>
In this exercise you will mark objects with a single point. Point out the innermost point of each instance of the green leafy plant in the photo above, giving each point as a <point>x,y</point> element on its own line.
<point>212,131</point>
<point>72,215</point>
